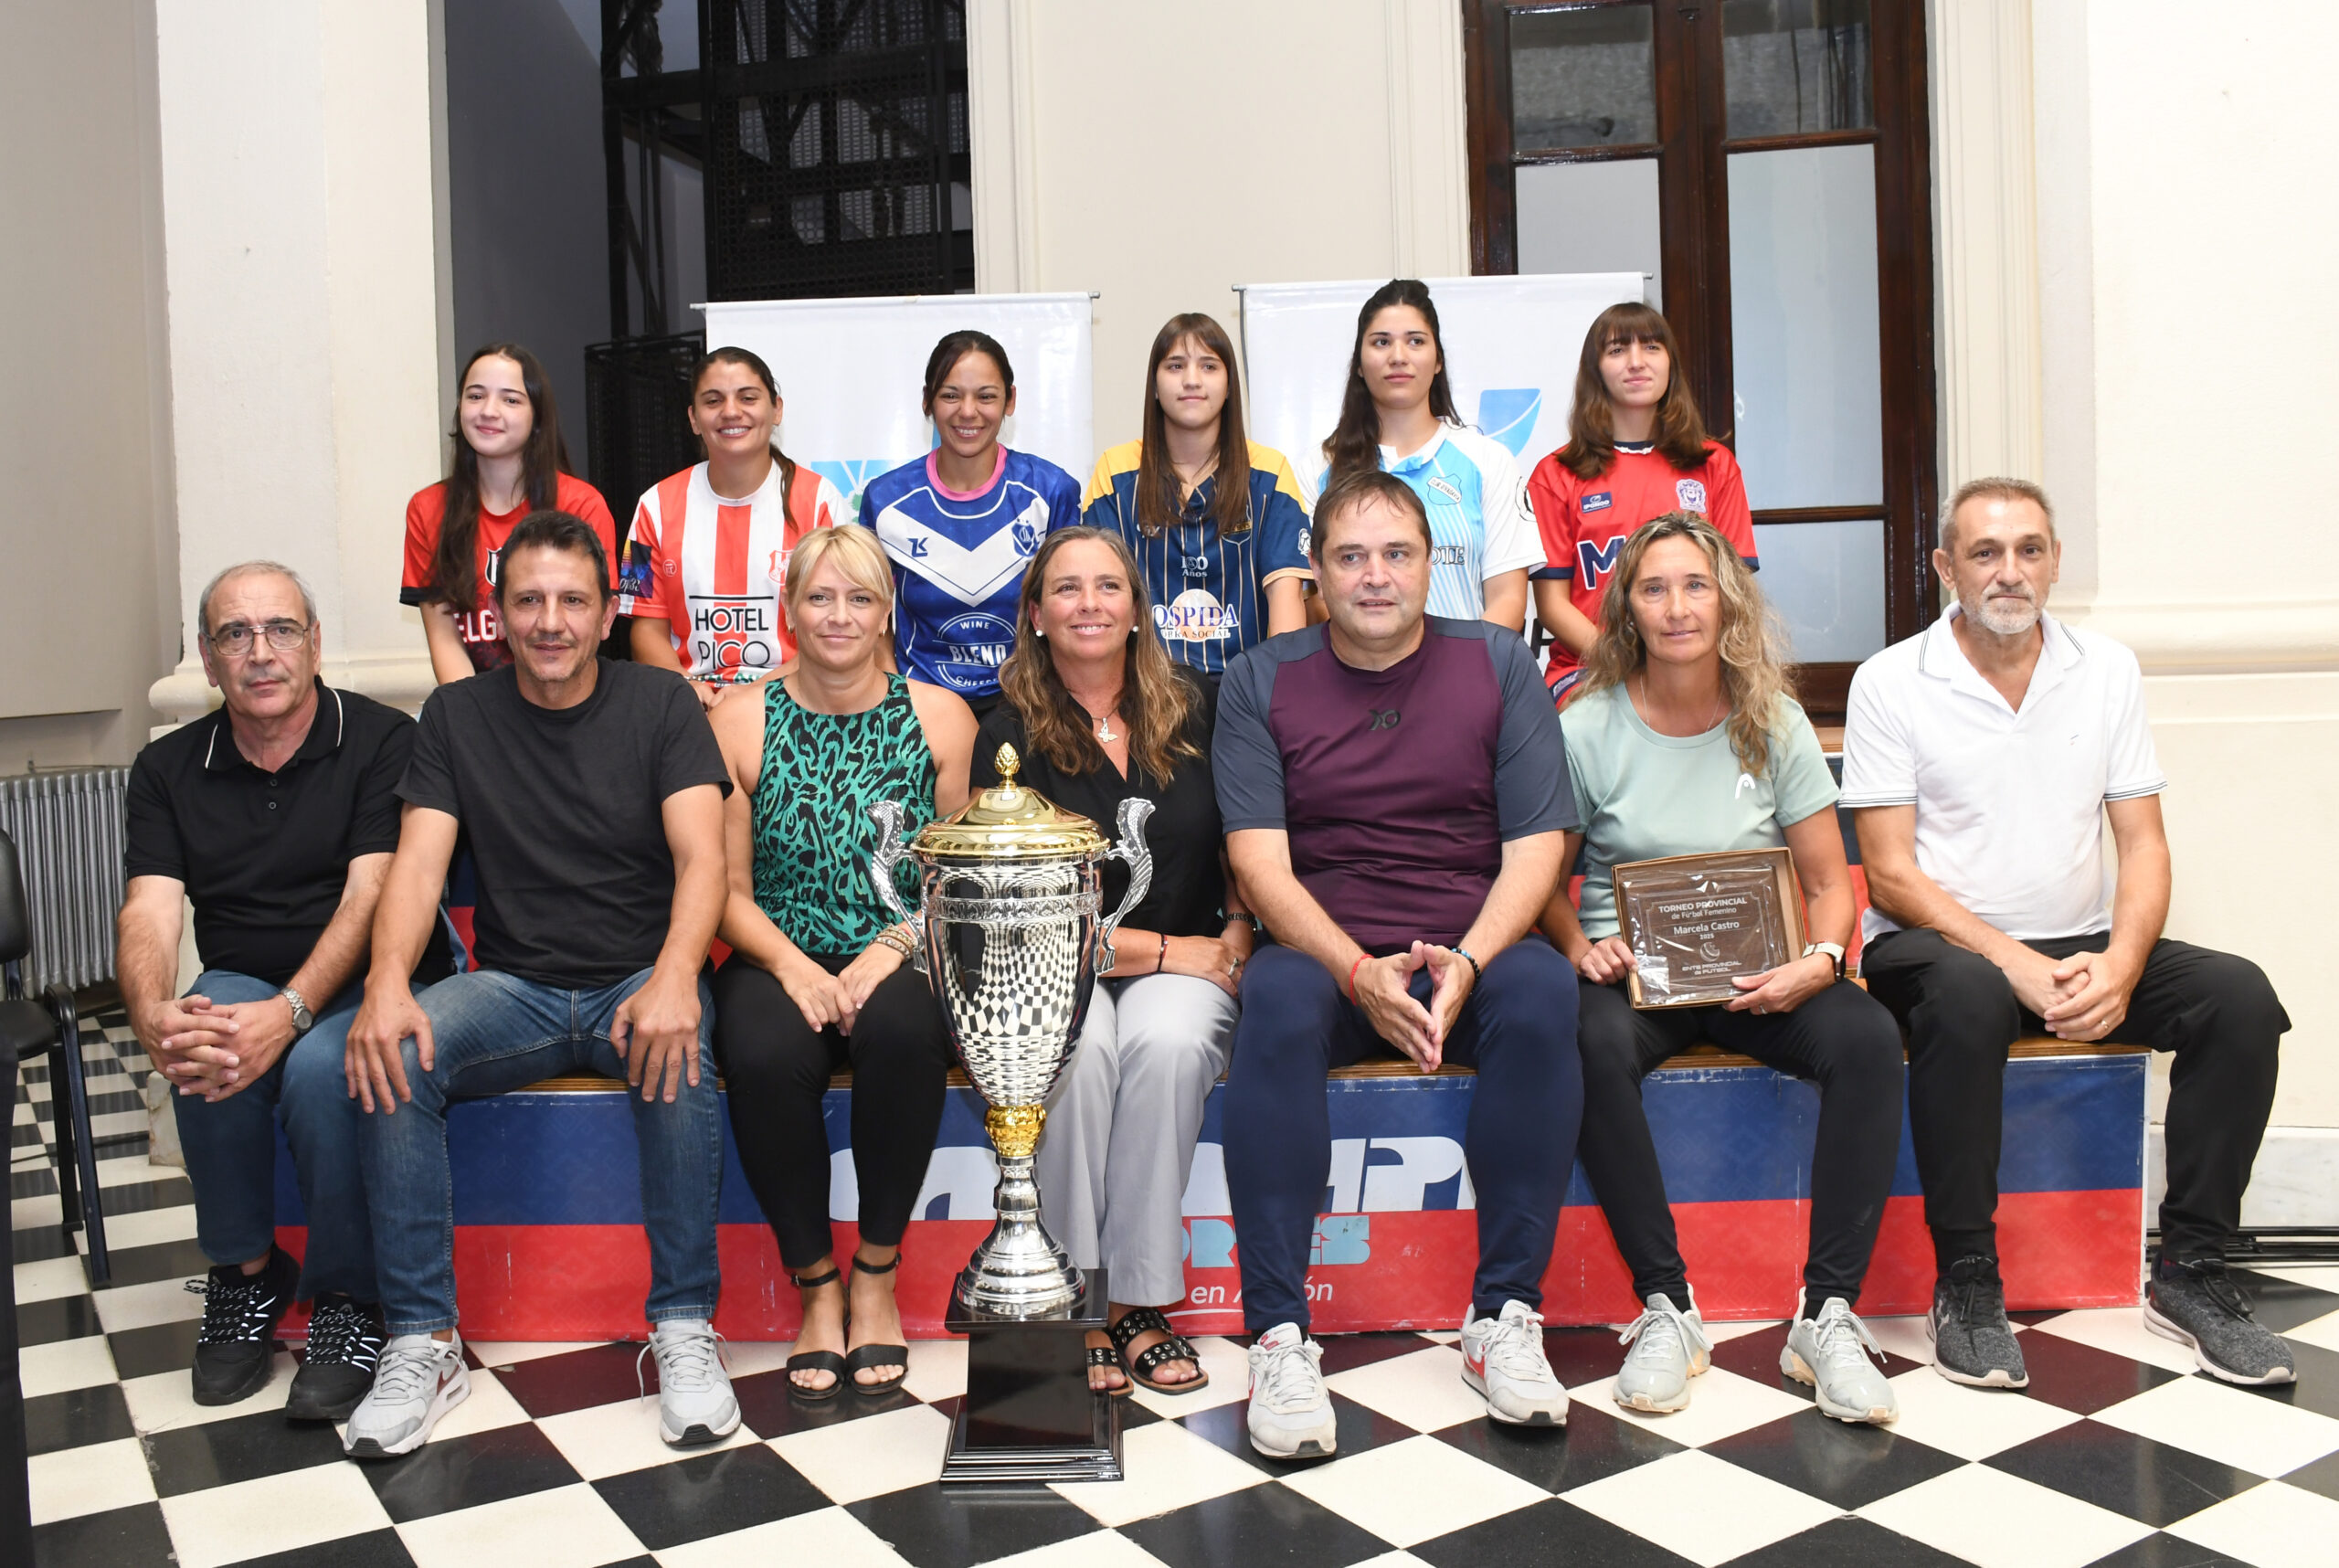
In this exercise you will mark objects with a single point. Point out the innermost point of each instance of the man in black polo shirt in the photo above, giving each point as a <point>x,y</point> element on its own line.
<point>276,817</point>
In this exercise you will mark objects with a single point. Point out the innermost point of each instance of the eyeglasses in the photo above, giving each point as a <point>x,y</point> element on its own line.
<point>235,639</point>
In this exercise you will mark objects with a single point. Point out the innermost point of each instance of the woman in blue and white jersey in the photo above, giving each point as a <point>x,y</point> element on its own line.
<point>961,523</point>
<point>1213,520</point>
<point>1397,414</point>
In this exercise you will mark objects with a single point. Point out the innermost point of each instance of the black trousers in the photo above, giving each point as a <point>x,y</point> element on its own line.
<point>2216,1013</point>
<point>1840,1038</point>
<point>776,1068</point>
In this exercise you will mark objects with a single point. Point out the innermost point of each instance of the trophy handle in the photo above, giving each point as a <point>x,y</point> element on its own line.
<point>1132,849</point>
<point>888,854</point>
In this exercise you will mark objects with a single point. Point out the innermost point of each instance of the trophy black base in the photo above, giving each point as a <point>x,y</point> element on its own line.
<point>1027,1414</point>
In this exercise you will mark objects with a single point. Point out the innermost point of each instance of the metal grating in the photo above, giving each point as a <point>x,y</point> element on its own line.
<point>68,829</point>
<point>637,420</point>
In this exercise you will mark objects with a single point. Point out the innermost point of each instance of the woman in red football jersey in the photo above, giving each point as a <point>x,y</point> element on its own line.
<point>509,461</point>
<point>1636,449</point>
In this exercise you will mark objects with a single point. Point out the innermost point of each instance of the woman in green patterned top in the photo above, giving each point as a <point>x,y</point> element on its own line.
<point>816,975</point>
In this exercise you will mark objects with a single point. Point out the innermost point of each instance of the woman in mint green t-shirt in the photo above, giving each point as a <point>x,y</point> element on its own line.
<point>1683,740</point>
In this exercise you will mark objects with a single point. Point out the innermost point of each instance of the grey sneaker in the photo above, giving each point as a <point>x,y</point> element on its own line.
<point>1504,1363</point>
<point>420,1380</point>
<point>1972,1342</point>
<point>1291,1415</point>
<point>2197,1304</point>
<point>1830,1353</point>
<point>694,1400</point>
<point>1669,1347</point>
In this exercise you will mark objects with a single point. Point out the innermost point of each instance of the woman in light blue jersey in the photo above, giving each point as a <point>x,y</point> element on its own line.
<point>1398,414</point>
<point>961,523</point>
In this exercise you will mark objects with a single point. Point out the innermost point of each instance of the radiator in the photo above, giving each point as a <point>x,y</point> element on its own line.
<point>67,828</point>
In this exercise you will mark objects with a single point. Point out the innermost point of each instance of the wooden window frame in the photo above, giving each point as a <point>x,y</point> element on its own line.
<point>1691,153</point>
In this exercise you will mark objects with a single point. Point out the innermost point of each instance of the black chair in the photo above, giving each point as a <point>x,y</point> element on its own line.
<point>15,1482</point>
<point>52,1026</point>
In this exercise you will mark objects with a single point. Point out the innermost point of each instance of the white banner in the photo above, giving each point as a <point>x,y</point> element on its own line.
<point>851,371</point>
<point>1512,345</point>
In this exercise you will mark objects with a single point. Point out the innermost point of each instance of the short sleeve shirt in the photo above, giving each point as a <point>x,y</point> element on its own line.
<point>2009,801</point>
<point>481,629</point>
<point>1643,795</point>
<point>1479,526</point>
<point>1399,787</point>
<point>265,856</point>
<point>561,809</point>
<point>715,569</point>
<point>1209,589</point>
<point>1583,522</point>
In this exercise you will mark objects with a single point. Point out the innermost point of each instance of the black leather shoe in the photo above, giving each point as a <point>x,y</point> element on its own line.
<point>240,1312</point>
<point>345,1340</point>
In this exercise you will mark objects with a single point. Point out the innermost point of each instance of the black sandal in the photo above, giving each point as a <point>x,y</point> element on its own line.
<point>876,1357</point>
<point>817,1360</point>
<point>1176,1347</point>
<point>1106,1356</point>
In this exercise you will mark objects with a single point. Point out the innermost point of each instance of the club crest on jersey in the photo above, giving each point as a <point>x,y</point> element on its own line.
<point>1194,616</point>
<point>778,570</point>
<point>1446,487</point>
<point>1308,541</point>
<point>1691,494</point>
<point>1027,537</point>
<point>1599,503</point>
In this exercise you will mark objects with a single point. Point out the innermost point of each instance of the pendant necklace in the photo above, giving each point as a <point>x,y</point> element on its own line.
<point>1104,728</point>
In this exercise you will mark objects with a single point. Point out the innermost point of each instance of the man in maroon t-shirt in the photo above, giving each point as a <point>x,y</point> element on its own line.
<point>1394,789</point>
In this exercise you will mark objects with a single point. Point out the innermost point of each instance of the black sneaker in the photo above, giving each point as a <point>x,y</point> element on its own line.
<point>345,1340</point>
<point>240,1312</point>
<point>1972,1342</point>
<point>2197,1304</point>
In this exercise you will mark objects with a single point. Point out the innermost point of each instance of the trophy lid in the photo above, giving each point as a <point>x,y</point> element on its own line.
<point>1009,821</point>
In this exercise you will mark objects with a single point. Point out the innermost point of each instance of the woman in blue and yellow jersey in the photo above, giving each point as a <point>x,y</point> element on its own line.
<point>1214,520</point>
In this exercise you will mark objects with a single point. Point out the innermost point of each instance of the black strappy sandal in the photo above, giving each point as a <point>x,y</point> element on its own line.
<point>876,1357</point>
<point>1106,1356</point>
<point>818,1361</point>
<point>1176,1347</point>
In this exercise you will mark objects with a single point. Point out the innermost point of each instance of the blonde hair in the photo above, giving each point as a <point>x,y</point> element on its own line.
<point>856,553</point>
<point>1752,644</point>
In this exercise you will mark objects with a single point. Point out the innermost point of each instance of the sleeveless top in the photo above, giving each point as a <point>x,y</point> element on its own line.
<point>812,831</point>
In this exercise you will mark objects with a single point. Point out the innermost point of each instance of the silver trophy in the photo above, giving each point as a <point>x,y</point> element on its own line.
<point>1008,933</point>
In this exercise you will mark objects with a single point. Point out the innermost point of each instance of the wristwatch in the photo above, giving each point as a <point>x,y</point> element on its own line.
<point>302,1019</point>
<point>1835,950</point>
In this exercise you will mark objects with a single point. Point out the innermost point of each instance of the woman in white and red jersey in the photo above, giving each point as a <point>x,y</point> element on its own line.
<point>509,461</point>
<point>705,571</point>
<point>1636,449</point>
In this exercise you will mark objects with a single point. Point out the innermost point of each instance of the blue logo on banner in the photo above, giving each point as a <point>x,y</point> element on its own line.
<point>849,475</point>
<point>1507,414</point>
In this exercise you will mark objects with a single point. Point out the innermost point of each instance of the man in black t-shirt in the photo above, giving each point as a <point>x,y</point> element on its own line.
<point>275,817</point>
<point>590,794</point>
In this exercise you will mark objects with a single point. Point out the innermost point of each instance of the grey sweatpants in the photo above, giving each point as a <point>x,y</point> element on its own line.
<point>1119,1142</point>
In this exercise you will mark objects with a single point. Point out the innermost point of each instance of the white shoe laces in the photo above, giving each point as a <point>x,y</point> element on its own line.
<point>1663,1334</point>
<point>1290,1380</point>
<point>1840,1336</point>
<point>1514,1346</point>
<point>409,1372</point>
<point>689,1355</point>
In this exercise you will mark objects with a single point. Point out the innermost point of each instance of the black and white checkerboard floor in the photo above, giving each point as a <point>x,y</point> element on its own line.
<point>2117,1455</point>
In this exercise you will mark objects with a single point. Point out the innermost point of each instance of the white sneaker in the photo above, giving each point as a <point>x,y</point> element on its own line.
<point>1669,1347</point>
<point>1503,1362</point>
<point>694,1400</point>
<point>1830,1352</point>
<point>1291,1411</point>
<point>417,1379</point>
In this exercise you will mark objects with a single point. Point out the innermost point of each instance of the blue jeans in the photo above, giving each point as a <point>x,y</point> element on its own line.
<point>495,1032</point>
<point>230,1148</point>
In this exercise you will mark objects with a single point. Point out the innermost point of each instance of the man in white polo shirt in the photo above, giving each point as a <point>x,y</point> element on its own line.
<point>1980,758</point>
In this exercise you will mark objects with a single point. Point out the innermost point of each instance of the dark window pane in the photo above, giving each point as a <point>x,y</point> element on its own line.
<point>1582,78</point>
<point>1797,66</point>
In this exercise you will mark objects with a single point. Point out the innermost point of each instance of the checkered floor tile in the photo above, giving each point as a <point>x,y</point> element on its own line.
<point>2117,1455</point>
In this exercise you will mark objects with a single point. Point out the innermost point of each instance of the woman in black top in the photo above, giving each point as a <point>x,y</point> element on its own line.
<point>1098,713</point>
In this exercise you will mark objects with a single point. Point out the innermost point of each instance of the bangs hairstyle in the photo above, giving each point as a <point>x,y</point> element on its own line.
<point>753,362</point>
<point>454,565</point>
<point>1680,433</point>
<point>851,549</point>
<point>1355,443</point>
<point>1155,703</point>
<point>954,347</point>
<point>1753,643</point>
<point>1156,483</point>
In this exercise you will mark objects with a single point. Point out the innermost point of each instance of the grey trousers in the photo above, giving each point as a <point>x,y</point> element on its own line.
<point>1119,1142</point>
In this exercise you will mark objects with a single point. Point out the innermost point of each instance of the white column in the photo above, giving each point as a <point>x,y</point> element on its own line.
<point>300,256</point>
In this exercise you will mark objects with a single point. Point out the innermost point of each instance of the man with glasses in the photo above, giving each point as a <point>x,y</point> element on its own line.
<point>276,817</point>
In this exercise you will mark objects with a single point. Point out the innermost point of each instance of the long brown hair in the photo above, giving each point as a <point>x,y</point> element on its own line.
<point>1157,494</point>
<point>753,362</point>
<point>1592,422</point>
<point>1155,703</point>
<point>454,566</point>
<point>1355,443</point>
<point>1752,645</point>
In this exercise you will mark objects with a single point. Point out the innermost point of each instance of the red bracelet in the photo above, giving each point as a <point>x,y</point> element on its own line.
<point>1361,958</point>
